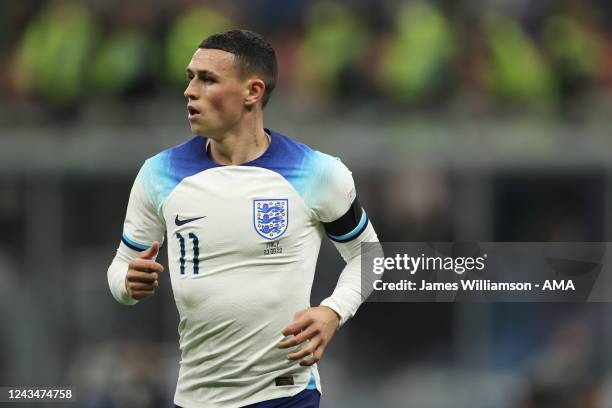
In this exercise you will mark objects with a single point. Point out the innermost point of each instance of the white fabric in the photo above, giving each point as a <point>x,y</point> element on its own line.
<point>247,287</point>
<point>349,293</point>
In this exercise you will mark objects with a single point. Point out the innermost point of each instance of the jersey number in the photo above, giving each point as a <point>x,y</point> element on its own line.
<point>196,252</point>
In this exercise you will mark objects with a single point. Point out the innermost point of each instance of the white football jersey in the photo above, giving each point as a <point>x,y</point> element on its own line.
<point>242,242</point>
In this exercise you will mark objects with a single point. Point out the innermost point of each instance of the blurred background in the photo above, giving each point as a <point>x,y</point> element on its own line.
<point>461,120</point>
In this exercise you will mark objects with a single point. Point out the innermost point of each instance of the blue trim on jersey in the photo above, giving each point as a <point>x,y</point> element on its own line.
<point>297,163</point>
<point>164,171</point>
<point>312,382</point>
<point>133,244</point>
<point>363,222</point>
<point>305,169</point>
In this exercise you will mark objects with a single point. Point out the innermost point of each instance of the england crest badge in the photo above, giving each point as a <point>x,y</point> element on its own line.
<point>270,217</point>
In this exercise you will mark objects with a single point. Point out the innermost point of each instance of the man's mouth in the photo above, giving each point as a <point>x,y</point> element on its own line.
<point>192,113</point>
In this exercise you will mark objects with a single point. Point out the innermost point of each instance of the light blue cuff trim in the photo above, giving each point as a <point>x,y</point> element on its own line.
<point>134,244</point>
<point>356,231</point>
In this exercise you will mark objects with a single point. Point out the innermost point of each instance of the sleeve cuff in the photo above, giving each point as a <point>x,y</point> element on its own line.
<point>117,272</point>
<point>126,299</point>
<point>331,303</point>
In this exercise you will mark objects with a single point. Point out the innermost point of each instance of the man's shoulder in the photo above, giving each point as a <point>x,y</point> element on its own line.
<point>191,148</point>
<point>161,173</point>
<point>309,171</point>
<point>291,148</point>
<point>288,144</point>
<point>177,162</point>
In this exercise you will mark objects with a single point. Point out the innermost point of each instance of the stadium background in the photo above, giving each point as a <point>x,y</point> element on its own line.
<point>461,120</point>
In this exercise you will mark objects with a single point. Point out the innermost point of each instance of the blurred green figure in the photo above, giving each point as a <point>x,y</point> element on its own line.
<point>120,62</point>
<point>516,72</point>
<point>184,36</point>
<point>54,51</point>
<point>334,37</point>
<point>128,61</point>
<point>575,46</point>
<point>416,60</point>
<point>578,55</point>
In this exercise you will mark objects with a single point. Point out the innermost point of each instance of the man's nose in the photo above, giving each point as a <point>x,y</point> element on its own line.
<point>190,92</point>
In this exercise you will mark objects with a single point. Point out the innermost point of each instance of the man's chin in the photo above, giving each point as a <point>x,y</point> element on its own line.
<point>197,129</point>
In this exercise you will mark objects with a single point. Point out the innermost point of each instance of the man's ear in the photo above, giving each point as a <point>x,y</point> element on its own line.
<point>255,91</point>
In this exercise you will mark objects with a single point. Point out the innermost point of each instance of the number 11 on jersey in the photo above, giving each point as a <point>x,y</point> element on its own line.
<point>196,253</point>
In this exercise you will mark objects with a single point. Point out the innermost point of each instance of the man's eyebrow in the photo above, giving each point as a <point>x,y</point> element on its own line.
<point>200,71</point>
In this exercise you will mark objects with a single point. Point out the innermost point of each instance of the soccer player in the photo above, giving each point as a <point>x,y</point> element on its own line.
<point>244,209</point>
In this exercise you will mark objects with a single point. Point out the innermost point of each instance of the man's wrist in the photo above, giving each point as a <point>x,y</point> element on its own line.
<point>335,313</point>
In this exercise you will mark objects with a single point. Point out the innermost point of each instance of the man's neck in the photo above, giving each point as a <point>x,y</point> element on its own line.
<point>239,146</point>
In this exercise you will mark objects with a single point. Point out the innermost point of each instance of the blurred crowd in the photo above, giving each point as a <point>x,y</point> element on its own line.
<point>431,55</point>
<point>68,60</point>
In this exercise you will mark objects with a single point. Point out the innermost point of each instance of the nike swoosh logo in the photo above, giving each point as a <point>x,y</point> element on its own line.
<point>186,220</point>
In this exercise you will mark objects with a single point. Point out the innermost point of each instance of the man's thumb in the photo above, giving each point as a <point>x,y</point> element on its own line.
<point>150,252</point>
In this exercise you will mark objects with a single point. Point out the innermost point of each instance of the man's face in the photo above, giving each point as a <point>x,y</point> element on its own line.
<point>215,92</point>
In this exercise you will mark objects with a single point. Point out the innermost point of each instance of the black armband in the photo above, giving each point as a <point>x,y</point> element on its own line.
<point>349,226</point>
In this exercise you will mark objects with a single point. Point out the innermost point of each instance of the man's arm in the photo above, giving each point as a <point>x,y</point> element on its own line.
<point>318,324</point>
<point>133,272</point>
<point>349,293</point>
<point>336,206</point>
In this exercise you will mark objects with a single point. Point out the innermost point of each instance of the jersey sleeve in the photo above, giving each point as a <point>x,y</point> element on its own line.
<point>143,224</point>
<point>143,221</point>
<point>353,287</point>
<point>346,224</point>
<point>337,205</point>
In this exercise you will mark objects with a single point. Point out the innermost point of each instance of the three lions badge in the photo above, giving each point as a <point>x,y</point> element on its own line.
<point>270,217</point>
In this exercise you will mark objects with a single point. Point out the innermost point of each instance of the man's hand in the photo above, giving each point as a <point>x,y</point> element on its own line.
<point>315,324</point>
<point>142,274</point>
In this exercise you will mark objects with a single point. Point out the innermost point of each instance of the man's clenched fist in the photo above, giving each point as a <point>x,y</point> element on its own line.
<point>142,274</point>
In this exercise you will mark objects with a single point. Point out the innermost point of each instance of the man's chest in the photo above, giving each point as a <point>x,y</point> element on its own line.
<point>237,215</point>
